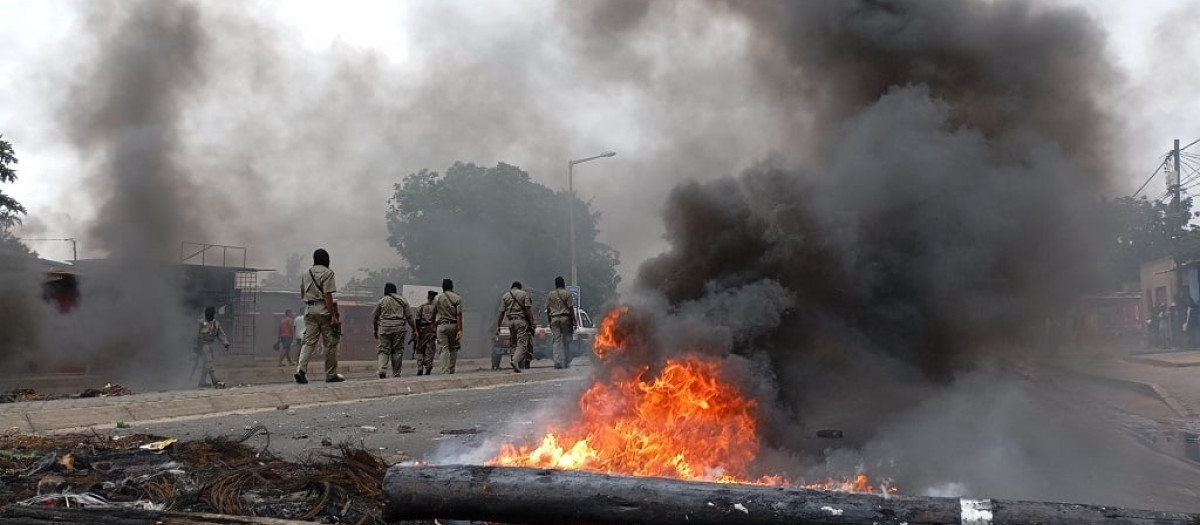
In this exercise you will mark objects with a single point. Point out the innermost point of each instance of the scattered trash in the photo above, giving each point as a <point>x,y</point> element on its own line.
<point>459,431</point>
<point>29,394</point>
<point>405,429</point>
<point>291,412</point>
<point>739,506</point>
<point>50,483</point>
<point>87,500</point>
<point>282,407</point>
<point>109,390</point>
<point>300,436</point>
<point>223,475</point>
<point>122,424</point>
<point>369,429</point>
<point>158,445</point>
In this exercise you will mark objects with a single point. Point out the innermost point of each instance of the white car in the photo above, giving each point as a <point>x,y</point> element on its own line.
<point>581,343</point>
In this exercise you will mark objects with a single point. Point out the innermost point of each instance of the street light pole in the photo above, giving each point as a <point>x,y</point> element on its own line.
<point>571,207</point>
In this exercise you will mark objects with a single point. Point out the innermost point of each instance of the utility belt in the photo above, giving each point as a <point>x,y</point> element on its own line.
<point>514,317</point>
<point>311,303</point>
<point>447,321</point>
<point>561,315</point>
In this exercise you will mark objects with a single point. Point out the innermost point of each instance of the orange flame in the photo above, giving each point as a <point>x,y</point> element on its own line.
<point>681,421</point>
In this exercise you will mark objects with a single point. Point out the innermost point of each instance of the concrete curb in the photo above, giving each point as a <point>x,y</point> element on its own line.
<point>1162,363</point>
<point>45,417</point>
<point>1153,390</point>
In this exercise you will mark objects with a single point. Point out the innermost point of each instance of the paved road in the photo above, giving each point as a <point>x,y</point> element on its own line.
<point>494,412</point>
<point>1096,462</point>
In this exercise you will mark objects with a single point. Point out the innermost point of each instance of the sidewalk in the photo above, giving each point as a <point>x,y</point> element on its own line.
<point>105,412</point>
<point>1171,377</point>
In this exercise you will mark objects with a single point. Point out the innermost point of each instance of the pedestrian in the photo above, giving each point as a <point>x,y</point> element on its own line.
<point>448,307</point>
<point>517,307</point>
<point>560,313</point>
<point>425,339</point>
<point>286,336</point>
<point>210,331</point>
<point>390,319</point>
<point>321,320</point>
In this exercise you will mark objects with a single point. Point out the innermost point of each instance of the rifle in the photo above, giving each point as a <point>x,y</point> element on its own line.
<point>337,328</point>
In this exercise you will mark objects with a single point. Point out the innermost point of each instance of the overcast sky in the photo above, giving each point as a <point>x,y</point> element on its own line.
<point>40,47</point>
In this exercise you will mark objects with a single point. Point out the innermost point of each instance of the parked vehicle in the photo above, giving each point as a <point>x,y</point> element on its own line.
<point>581,342</point>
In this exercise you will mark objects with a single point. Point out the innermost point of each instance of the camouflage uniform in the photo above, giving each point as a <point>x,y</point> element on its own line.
<point>448,305</point>
<point>426,338</point>
<point>559,306</point>
<point>520,339</point>
<point>392,314</point>
<point>209,333</point>
<point>318,321</point>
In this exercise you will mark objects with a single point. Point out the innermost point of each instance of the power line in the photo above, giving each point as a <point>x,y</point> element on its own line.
<point>1161,161</point>
<point>1193,143</point>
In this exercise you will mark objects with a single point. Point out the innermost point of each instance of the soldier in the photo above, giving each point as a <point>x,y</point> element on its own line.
<point>448,307</point>
<point>388,319</point>
<point>424,342</point>
<point>560,313</point>
<point>321,320</point>
<point>518,308</point>
<point>209,333</point>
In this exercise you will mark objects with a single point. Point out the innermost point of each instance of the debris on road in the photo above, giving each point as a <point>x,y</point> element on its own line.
<point>216,475</point>
<point>405,429</point>
<point>460,431</point>
<point>29,394</point>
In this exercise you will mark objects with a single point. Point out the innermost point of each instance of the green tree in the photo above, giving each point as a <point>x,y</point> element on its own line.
<point>1142,230</point>
<point>486,227</point>
<point>10,210</point>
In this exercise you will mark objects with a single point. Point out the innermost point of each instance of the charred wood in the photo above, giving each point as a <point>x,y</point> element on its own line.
<point>542,496</point>
<point>23,515</point>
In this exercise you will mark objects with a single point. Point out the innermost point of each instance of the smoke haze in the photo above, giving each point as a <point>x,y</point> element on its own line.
<point>914,196</point>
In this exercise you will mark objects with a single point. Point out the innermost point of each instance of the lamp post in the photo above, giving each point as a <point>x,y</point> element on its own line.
<point>571,206</point>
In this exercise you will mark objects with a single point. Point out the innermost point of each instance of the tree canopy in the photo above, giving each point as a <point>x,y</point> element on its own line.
<point>1142,230</point>
<point>486,227</point>
<point>10,210</point>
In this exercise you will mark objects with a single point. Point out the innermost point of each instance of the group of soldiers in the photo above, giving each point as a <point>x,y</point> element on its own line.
<point>436,327</point>
<point>517,308</point>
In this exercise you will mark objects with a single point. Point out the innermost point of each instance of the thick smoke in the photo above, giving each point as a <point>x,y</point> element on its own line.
<point>937,209</point>
<point>126,117</point>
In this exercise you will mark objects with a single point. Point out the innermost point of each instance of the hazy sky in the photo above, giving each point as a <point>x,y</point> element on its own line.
<point>40,46</point>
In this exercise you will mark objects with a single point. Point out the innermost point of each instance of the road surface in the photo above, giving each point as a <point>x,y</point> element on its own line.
<point>1109,466</point>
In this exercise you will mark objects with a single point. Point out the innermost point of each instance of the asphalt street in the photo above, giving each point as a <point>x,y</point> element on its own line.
<point>416,426</point>
<point>1097,462</point>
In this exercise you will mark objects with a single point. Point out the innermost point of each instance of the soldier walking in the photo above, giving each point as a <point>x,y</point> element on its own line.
<point>517,307</point>
<point>560,313</point>
<point>321,320</point>
<point>390,320</point>
<point>448,308</point>
<point>209,333</point>
<point>424,342</point>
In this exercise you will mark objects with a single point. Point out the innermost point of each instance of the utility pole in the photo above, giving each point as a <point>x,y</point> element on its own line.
<point>1176,189</point>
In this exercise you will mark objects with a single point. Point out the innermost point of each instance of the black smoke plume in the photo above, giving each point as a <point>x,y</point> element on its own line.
<point>953,149</point>
<point>126,118</point>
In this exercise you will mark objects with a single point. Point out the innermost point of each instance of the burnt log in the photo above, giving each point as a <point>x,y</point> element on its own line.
<point>544,496</point>
<point>23,515</point>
